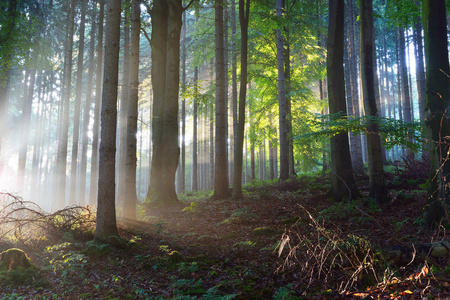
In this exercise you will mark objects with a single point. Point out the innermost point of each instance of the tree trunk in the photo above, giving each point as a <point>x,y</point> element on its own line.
<point>77,110</point>
<point>221,189</point>
<point>405,87</point>
<point>194,135</point>
<point>166,31</point>
<point>284,145</point>
<point>25,124</point>
<point>377,186</point>
<point>130,199</point>
<point>436,109</point>
<point>244,12</point>
<point>420,71</point>
<point>106,208</point>
<point>182,170</point>
<point>86,114</point>
<point>287,81</point>
<point>343,181</point>
<point>98,97</point>
<point>122,143</point>
<point>5,70</point>
<point>61,157</point>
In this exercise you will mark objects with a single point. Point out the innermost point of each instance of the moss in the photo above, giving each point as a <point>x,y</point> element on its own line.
<point>263,231</point>
<point>174,258</point>
<point>14,258</point>
<point>17,269</point>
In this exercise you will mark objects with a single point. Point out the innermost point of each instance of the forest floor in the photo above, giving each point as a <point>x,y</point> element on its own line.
<point>284,240</point>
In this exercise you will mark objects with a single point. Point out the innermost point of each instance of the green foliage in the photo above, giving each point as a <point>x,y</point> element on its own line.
<point>350,210</point>
<point>263,231</point>
<point>96,249</point>
<point>393,132</point>
<point>402,13</point>
<point>192,208</point>
<point>244,244</point>
<point>21,277</point>
<point>239,215</point>
<point>65,262</point>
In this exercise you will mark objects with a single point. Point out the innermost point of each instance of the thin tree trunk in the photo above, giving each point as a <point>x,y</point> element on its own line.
<point>194,135</point>
<point>244,13</point>
<point>182,177</point>
<point>97,103</point>
<point>405,87</point>
<point>284,145</point>
<point>61,157</point>
<point>130,200</point>
<point>221,190</point>
<point>77,110</point>
<point>86,114</point>
<point>122,143</point>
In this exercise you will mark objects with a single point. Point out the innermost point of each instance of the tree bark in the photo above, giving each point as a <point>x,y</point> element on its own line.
<point>77,110</point>
<point>122,142</point>
<point>244,13</point>
<point>61,156</point>
<point>97,103</point>
<point>343,181</point>
<point>221,189</point>
<point>106,207</point>
<point>86,114</point>
<point>130,200</point>
<point>377,186</point>
<point>284,145</point>
<point>407,117</point>
<point>166,32</point>
<point>436,109</point>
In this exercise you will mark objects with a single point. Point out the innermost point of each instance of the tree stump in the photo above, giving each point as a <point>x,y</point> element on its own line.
<point>14,258</point>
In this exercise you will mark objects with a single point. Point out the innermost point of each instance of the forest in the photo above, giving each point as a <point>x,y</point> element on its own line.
<point>224,149</point>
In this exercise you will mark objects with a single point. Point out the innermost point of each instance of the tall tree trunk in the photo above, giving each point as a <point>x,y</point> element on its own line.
<point>122,143</point>
<point>194,135</point>
<point>27,105</point>
<point>97,103</point>
<point>407,117</point>
<point>377,186</point>
<point>234,91</point>
<point>106,207</point>
<point>343,181</point>
<point>61,157</point>
<point>166,31</point>
<point>77,110</point>
<point>5,69</point>
<point>352,90</point>
<point>86,114</point>
<point>437,109</point>
<point>284,145</point>
<point>420,71</point>
<point>244,13</point>
<point>221,190</point>
<point>287,81</point>
<point>130,199</point>
<point>182,171</point>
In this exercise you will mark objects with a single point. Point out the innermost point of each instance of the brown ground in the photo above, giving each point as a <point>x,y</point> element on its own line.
<point>229,248</point>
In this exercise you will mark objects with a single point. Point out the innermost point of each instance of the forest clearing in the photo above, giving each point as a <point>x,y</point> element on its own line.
<point>229,249</point>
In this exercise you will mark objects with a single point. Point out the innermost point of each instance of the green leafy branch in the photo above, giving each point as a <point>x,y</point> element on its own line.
<point>393,132</point>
